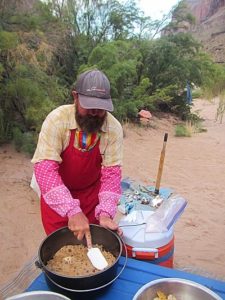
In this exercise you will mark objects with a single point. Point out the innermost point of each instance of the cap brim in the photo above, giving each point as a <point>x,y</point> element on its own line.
<point>95,103</point>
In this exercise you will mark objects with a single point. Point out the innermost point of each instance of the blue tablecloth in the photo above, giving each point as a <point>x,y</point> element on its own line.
<point>135,275</point>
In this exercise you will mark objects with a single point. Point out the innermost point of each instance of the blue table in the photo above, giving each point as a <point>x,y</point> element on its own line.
<point>135,275</point>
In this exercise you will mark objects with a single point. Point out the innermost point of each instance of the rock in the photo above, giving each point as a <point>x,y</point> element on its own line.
<point>145,114</point>
<point>209,28</point>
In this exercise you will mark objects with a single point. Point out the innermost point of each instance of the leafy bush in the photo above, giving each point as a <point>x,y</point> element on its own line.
<point>181,130</point>
<point>17,138</point>
<point>118,60</point>
<point>5,128</point>
<point>125,110</point>
<point>8,40</point>
<point>29,143</point>
<point>197,93</point>
<point>24,141</point>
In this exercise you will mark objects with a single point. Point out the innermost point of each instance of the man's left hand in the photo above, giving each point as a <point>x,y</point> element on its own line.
<point>107,222</point>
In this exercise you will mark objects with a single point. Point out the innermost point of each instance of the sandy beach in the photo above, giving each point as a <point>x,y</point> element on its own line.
<point>194,167</point>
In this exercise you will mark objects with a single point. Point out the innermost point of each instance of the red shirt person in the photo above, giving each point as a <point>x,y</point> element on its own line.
<point>77,162</point>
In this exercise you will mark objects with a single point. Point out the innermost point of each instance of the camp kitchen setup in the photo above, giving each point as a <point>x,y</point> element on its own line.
<point>144,255</point>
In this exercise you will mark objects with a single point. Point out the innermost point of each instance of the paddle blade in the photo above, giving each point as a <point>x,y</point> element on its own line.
<point>97,258</point>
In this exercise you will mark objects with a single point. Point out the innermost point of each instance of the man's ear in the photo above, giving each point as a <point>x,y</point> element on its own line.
<point>74,93</point>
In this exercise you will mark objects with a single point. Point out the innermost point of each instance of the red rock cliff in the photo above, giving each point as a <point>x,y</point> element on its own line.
<point>204,9</point>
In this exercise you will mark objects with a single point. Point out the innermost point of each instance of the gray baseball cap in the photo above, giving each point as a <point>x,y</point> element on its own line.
<point>93,88</point>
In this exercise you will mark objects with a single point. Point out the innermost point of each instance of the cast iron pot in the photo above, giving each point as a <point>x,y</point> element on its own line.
<point>62,237</point>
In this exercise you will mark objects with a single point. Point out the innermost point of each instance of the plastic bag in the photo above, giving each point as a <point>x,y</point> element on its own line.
<point>166,215</point>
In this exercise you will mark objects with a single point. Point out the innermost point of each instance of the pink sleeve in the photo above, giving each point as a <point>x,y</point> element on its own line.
<point>53,190</point>
<point>110,192</point>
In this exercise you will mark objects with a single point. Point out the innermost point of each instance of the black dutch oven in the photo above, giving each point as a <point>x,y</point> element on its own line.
<point>81,284</point>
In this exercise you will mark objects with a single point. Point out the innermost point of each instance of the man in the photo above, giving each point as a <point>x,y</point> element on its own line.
<point>77,162</point>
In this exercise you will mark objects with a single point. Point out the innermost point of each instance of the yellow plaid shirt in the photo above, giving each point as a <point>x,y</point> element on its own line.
<point>55,134</point>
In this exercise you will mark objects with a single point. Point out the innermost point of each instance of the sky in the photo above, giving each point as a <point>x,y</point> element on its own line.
<point>156,8</point>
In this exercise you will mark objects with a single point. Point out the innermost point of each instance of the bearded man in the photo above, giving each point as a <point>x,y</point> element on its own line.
<point>77,162</point>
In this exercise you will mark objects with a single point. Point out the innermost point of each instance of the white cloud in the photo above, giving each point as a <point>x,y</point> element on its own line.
<point>156,8</point>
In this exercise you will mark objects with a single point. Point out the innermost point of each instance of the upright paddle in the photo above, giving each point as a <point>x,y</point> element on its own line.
<point>161,163</point>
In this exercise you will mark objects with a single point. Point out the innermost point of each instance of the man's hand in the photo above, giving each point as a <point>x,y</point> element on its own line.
<point>79,225</point>
<point>107,222</point>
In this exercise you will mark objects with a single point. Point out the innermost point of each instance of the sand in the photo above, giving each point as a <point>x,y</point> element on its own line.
<point>194,167</point>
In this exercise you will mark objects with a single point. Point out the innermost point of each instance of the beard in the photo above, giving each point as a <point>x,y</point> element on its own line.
<point>88,123</point>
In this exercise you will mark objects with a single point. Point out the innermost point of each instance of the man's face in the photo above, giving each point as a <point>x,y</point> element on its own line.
<point>89,120</point>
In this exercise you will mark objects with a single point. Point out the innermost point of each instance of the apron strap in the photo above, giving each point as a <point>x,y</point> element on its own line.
<point>72,137</point>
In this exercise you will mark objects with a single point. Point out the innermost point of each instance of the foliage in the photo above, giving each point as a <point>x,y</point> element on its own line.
<point>8,40</point>
<point>181,14</point>
<point>127,110</point>
<point>188,128</point>
<point>197,93</point>
<point>213,81</point>
<point>182,131</point>
<point>213,86</point>
<point>221,108</point>
<point>101,21</point>
<point>28,97</point>
<point>119,60</point>
<point>5,128</point>
<point>45,45</point>
<point>194,122</point>
<point>24,142</point>
<point>170,61</point>
<point>1,71</point>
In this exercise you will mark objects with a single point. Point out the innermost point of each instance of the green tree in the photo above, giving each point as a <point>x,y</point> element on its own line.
<point>29,73</point>
<point>170,60</point>
<point>119,60</point>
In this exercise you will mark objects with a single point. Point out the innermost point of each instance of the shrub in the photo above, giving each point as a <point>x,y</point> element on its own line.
<point>5,128</point>
<point>197,93</point>
<point>24,141</point>
<point>182,130</point>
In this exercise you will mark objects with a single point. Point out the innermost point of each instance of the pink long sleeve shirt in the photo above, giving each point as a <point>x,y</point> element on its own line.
<point>59,198</point>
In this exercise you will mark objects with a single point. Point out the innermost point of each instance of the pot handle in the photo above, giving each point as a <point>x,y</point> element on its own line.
<point>38,264</point>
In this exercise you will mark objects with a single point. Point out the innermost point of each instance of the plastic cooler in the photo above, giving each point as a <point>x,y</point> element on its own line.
<point>156,248</point>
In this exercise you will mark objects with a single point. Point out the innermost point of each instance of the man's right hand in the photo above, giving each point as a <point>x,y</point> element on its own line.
<point>79,225</point>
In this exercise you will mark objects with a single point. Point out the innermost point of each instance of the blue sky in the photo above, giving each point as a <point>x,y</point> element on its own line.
<point>156,8</point>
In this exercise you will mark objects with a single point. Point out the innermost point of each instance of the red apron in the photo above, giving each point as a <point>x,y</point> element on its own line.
<point>80,172</point>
